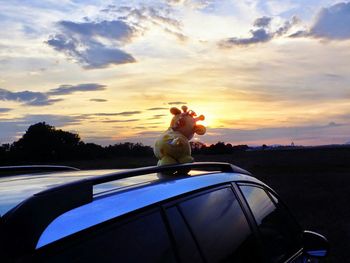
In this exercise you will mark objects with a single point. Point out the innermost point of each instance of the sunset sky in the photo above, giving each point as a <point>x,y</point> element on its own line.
<point>262,72</point>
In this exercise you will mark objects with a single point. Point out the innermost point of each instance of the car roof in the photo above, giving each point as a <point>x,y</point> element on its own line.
<point>43,216</point>
<point>16,188</point>
<point>104,208</point>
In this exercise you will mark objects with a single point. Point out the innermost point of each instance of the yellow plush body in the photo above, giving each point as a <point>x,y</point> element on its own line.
<point>173,145</point>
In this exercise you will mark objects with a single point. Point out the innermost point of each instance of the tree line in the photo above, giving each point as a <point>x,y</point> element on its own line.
<point>43,142</point>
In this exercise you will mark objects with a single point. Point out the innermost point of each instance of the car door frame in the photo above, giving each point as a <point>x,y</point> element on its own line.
<point>243,205</point>
<point>280,203</point>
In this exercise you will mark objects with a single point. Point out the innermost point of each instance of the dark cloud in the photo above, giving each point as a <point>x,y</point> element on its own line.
<point>94,44</point>
<point>3,110</point>
<point>114,29</point>
<point>333,76</point>
<point>177,103</point>
<point>275,134</point>
<point>333,22</point>
<point>148,137</point>
<point>115,121</point>
<point>287,25</point>
<point>123,113</point>
<point>27,97</point>
<point>158,108</point>
<point>261,34</point>
<point>98,100</point>
<point>43,102</point>
<point>100,56</point>
<point>157,116</point>
<point>34,98</point>
<point>52,119</point>
<point>262,21</point>
<point>333,124</point>
<point>257,36</point>
<point>68,89</point>
<point>10,130</point>
<point>299,33</point>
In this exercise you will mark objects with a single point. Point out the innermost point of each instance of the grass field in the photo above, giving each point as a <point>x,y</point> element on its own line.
<point>314,183</point>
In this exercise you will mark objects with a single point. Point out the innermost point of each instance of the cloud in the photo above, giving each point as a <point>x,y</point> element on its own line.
<point>3,110</point>
<point>261,34</point>
<point>115,121</point>
<point>332,22</point>
<point>262,21</point>
<point>177,103</point>
<point>145,17</point>
<point>52,119</point>
<point>279,135</point>
<point>94,44</point>
<point>124,113</point>
<point>27,97</point>
<point>98,100</point>
<point>32,98</point>
<point>157,108</point>
<point>115,29</point>
<point>194,4</point>
<point>257,36</point>
<point>68,89</point>
<point>12,129</point>
<point>157,116</point>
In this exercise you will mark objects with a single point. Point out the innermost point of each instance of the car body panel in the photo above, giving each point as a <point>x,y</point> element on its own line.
<point>15,189</point>
<point>120,203</point>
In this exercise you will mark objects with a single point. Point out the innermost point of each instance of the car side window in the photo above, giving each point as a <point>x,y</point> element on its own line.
<point>281,236</point>
<point>220,227</point>
<point>141,239</point>
<point>185,244</point>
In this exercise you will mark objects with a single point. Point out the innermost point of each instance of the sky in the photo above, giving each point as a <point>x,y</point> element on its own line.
<point>261,71</point>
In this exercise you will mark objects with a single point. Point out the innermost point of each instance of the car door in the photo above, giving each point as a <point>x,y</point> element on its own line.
<point>210,226</point>
<point>280,234</point>
<point>139,237</point>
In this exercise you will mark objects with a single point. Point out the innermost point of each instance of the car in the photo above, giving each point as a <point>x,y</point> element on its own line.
<point>193,212</point>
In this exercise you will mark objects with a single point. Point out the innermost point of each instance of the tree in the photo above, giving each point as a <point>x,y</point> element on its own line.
<point>43,142</point>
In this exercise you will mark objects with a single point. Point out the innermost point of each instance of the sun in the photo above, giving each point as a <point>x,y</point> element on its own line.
<point>209,121</point>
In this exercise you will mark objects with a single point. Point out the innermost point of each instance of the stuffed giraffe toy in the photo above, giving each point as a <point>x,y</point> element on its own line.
<point>173,145</point>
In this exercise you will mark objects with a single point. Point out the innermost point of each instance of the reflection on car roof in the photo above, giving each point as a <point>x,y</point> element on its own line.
<point>103,209</point>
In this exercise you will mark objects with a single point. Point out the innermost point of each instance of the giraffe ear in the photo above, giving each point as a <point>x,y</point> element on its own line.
<point>175,111</point>
<point>200,118</point>
<point>200,129</point>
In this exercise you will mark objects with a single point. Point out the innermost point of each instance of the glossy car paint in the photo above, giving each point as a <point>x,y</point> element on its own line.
<point>15,189</point>
<point>119,203</point>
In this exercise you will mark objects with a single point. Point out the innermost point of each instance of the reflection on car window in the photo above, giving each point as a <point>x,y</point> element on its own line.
<point>220,227</point>
<point>280,237</point>
<point>144,239</point>
<point>186,246</point>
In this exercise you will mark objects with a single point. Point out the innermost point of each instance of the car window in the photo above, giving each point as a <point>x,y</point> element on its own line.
<point>143,239</point>
<point>185,244</point>
<point>220,227</point>
<point>280,234</point>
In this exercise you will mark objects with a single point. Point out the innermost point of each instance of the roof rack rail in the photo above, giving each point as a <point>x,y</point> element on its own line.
<point>20,169</point>
<point>42,208</point>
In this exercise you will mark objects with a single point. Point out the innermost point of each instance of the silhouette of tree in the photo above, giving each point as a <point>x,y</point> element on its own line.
<point>197,147</point>
<point>43,142</point>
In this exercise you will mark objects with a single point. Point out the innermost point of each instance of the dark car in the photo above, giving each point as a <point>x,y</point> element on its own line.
<point>197,212</point>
